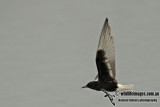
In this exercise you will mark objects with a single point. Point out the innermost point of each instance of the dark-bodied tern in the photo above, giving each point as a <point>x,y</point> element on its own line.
<point>105,61</point>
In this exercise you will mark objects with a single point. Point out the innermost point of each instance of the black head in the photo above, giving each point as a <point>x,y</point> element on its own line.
<point>93,85</point>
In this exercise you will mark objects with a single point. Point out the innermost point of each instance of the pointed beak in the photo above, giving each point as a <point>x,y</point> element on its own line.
<point>84,87</point>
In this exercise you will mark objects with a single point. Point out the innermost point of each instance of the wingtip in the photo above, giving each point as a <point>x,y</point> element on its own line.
<point>106,19</point>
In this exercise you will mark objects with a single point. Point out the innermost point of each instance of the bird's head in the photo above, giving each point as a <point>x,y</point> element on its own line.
<point>91,85</point>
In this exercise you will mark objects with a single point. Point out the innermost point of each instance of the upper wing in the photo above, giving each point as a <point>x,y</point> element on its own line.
<point>105,58</point>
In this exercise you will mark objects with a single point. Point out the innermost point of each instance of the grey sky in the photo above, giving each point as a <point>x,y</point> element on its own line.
<point>48,48</point>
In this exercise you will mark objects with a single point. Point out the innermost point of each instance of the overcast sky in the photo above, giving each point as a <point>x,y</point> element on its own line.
<point>48,48</point>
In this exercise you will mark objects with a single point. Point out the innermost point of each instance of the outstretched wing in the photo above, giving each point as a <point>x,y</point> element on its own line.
<point>105,58</point>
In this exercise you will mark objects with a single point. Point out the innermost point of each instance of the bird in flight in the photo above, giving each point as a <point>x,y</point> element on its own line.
<point>105,61</point>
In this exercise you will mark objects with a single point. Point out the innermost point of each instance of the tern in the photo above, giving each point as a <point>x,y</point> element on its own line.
<point>105,61</point>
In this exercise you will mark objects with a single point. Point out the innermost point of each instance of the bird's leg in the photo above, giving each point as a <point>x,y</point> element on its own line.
<point>105,92</point>
<point>117,93</point>
<point>109,96</point>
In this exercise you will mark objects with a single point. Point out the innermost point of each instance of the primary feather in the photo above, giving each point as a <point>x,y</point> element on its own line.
<point>106,45</point>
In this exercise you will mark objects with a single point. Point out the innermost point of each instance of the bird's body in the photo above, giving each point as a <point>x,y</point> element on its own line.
<point>105,61</point>
<point>106,81</point>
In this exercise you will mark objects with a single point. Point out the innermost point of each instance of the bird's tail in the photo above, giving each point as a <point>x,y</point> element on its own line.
<point>124,87</point>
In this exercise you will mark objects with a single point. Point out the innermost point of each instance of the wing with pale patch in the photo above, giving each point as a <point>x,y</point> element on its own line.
<point>106,44</point>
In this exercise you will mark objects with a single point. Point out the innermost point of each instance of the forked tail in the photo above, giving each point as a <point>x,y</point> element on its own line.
<point>124,87</point>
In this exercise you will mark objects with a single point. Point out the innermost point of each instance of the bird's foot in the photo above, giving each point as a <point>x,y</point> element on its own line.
<point>109,96</point>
